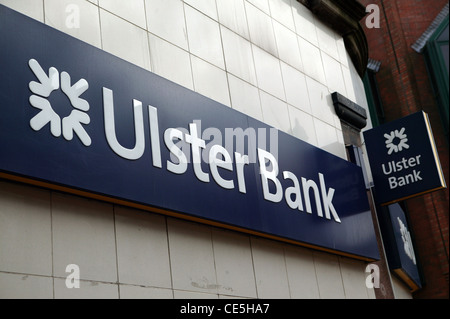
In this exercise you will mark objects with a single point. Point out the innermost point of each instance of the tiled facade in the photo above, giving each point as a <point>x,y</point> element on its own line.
<point>125,253</point>
<point>270,59</point>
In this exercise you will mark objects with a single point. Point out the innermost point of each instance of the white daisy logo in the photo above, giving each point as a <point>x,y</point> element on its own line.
<point>396,141</point>
<point>47,84</point>
<point>407,242</point>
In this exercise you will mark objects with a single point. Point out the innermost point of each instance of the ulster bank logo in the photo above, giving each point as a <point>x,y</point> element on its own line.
<point>396,141</point>
<point>69,125</point>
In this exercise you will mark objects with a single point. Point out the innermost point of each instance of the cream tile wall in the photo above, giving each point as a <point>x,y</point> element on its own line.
<point>126,253</point>
<point>270,59</point>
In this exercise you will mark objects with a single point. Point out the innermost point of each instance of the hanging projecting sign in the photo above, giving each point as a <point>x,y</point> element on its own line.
<point>78,119</point>
<point>403,159</point>
<point>399,246</point>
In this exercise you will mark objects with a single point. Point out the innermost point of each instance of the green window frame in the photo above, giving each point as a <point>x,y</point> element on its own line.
<point>373,98</point>
<point>437,54</point>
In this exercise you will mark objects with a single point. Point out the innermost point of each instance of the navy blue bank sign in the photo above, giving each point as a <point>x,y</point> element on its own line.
<point>403,159</point>
<point>399,246</point>
<point>79,119</point>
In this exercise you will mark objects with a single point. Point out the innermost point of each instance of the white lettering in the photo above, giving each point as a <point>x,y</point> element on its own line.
<point>373,19</point>
<point>73,279</point>
<point>269,175</point>
<point>293,194</point>
<point>417,176</point>
<point>213,136</point>
<point>181,167</point>
<point>404,163</point>
<point>240,161</point>
<point>196,145</point>
<point>192,309</point>
<point>392,182</point>
<point>327,198</point>
<point>297,203</point>
<point>110,128</point>
<point>154,136</point>
<point>307,185</point>
<point>226,164</point>
<point>219,157</point>
<point>407,179</point>
<point>373,279</point>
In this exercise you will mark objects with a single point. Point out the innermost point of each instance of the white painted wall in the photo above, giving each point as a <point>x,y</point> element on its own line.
<point>269,59</point>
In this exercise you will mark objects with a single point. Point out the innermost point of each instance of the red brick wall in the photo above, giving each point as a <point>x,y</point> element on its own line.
<point>405,88</point>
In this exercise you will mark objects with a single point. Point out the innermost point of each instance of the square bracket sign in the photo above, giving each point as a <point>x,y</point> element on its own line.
<point>403,159</point>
